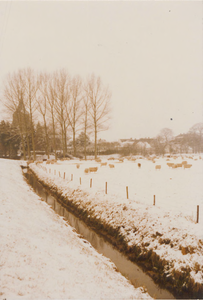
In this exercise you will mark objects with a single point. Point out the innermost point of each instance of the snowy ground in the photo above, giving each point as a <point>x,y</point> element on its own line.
<point>173,218</point>
<point>176,190</point>
<point>42,257</point>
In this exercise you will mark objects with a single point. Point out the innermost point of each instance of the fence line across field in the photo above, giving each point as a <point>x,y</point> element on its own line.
<point>115,187</point>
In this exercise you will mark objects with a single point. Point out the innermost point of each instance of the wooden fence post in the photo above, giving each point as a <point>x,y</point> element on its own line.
<point>90,182</point>
<point>106,188</point>
<point>154,200</point>
<point>127,192</point>
<point>64,175</point>
<point>197,213</point>
<point>71,177</point>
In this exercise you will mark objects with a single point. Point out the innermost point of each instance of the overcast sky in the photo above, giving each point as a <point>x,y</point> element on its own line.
<point>150,53</point>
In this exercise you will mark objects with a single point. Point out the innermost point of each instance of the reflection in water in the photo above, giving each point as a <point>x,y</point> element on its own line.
<point>125,266</point>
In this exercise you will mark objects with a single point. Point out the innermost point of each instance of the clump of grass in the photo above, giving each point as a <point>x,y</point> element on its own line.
<point>164,241</point>
<point>197,267</point>
<point>186,250</point>
<point>155,235</point>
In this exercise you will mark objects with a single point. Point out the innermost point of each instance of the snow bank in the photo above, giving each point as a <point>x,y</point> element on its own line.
<point>42,257</point>
<point>169,233</point>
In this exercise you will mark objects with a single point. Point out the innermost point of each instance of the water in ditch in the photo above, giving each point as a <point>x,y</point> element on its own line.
<point>125,267</point>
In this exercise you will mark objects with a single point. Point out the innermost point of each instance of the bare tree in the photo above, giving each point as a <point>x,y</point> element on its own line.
<point>99,97</point>
<point>85,123</point>
<point>67,101</point>
<point>164,138</point>
<point>61,86</point>
<point>197,129</point>
<point>74,108</point>
<point>85,116</point>
<point>32,86</point>
<point>52,98</point>
<point>42,101</point>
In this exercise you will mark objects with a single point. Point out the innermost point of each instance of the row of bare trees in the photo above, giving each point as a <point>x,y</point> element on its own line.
<point>166,143</point>
<point>66,103</point>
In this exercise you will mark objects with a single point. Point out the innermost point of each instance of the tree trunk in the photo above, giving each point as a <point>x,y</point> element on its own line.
<point>23,144</point>
<point>21,136</point>
<point>65,138</point>
<point>85,148</point>
<point>32,135</point>
<point>33,142</point>
<point>85,144</point>
<point>54,134</point>
<point>46,135</point>
<point>28,145</point>
<point>74,146</point>
<point>85,130</point>
<point>27,135</point>
<point>62,138</point>
<point>95,141</point>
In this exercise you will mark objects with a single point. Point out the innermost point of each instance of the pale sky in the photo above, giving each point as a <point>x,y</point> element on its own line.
<point>149,53</point>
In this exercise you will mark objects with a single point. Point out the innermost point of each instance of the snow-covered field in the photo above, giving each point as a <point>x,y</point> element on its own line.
<point>41,256</point>
<point>178,191</point>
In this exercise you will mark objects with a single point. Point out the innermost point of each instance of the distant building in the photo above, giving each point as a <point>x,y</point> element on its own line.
<point>126,142</point>
<point>21,117</point>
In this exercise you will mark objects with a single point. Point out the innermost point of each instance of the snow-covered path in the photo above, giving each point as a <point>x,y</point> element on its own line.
<point>42,257</point>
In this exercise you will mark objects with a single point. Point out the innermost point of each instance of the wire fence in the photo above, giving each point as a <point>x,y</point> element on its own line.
<point>128,192</point>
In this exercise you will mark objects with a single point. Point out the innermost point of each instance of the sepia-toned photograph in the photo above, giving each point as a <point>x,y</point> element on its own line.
<point>101,150</point>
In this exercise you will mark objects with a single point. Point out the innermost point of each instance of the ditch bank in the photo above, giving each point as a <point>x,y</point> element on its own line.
<point>180,284</point>
<point>127,268</point>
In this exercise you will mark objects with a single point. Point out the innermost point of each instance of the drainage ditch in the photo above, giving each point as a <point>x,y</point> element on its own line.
<point>127,268</point>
